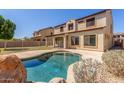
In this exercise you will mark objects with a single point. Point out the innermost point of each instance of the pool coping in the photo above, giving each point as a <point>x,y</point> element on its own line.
<point>32,57</point>
<point>84,54</point>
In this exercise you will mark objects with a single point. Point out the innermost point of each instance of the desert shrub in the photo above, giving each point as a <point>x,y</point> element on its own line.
<point>85,71</point>
<point>115,62</point>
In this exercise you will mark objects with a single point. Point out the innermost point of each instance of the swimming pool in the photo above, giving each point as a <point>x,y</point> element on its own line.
<point>49,65</point>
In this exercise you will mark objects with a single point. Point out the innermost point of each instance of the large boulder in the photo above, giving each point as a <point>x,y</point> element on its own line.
<point>12,70</point>
<point>57,80</point>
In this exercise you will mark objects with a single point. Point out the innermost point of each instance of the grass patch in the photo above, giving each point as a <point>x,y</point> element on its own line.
<point>5,40</point>
<point>21,49</point>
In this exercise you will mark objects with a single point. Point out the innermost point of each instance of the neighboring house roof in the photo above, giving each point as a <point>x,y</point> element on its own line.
<point>119,33</point>
<point>43,29</point>
<point>59,25</point>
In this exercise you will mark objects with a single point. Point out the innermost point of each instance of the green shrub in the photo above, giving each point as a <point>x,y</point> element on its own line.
<point>115,62</point>
<point>85,71</point>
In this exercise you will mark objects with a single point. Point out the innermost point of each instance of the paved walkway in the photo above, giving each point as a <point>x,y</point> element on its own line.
<point>85,54</point>
<point>96,55</point>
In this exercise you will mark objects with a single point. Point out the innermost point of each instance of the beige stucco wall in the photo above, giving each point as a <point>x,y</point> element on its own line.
<point>123,43</point>
<point>108,37</point>
<point>100,22</point>
<point>108,41</point>
<point>81,26</point>
<point>49,41</point>
<point>43,33</point>
<point>100,40</point>
<point>57,30</point>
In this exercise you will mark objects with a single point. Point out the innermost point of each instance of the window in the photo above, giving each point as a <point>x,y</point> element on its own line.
<point>70,26</point>
<point>43,39</point>
<point>81,21</point>
<point>51,33</point>
<point>122,35</point>
<point>114,36</point>
<point>90,22</point>
<point>61,29</point>
<point>90,40</point>
<point>118,36</point>
<point>38,33</point>
<point>75,40</point>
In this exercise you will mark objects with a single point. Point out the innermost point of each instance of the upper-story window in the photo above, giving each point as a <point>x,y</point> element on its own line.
<point>118,36</point>
<point>122,35</point>
<point>90,22</point>
<point>81,21</point>
<point>114,36</point>
<point>44,40</point>
<point>51,33</point>
<point>38,33</point>
<point>70,26</point>
<point>34,34</point>
<point>61,29</point>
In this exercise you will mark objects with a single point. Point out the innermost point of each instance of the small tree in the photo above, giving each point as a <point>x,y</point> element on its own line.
<point>2,20</point>
<point>7,28</point>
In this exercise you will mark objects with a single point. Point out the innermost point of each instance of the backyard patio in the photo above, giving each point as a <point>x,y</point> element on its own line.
<point>29,52</point>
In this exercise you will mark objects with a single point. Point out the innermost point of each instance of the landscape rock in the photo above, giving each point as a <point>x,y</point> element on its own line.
<point>12,70</point>
<point>57,80</point>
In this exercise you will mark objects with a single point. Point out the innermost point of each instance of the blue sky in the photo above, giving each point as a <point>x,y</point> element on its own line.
<point>28,21</point>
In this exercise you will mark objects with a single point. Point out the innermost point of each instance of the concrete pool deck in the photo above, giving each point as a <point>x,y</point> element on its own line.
<point>85,54</point>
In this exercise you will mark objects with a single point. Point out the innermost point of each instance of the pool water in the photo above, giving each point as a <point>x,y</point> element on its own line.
<point>49,65</point>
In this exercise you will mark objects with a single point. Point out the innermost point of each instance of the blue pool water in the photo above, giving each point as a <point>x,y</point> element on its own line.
<point>50,65</point>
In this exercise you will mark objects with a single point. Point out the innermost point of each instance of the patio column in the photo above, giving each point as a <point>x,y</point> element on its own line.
<point>123,43</point>
<point>53,41</point>
<point>82,41</point>
<point>46,42</point>
<point>64,41</point>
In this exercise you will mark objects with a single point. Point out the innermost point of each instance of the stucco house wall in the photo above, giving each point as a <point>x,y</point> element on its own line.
<point>103,29</point>
<point>100,21</point>
<point>123,43</point>
<point>42,33</point>
<point>99,40</point>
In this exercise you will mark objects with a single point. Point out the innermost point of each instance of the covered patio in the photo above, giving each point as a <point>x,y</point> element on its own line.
<point>60,41</point>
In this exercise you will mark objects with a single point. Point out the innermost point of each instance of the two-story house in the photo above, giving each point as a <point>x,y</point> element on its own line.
<point>92,32</point>
<point>41,34</point>
<point>118,40</point>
